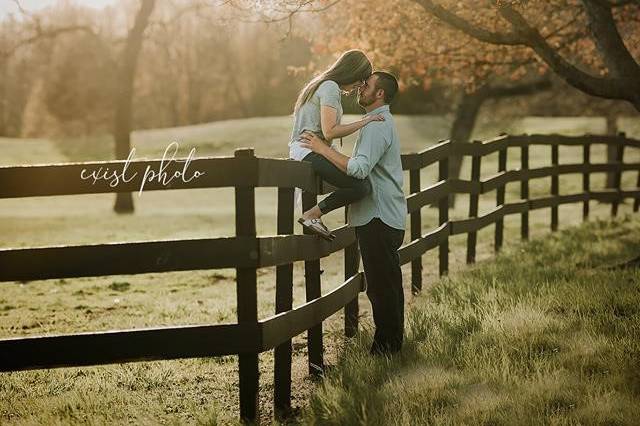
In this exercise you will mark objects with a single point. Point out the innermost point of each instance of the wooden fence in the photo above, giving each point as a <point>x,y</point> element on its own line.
<point>246,252</point>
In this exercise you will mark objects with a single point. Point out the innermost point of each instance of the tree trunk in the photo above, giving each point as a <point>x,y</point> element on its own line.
<point>463,124</point>
<point>612,129</point>
<point>124,96</point>
<point>195,99</point>
<point>3,96</point>
<point>467,114</point>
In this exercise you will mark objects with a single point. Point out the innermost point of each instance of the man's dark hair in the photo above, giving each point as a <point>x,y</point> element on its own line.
<point>388,83</point>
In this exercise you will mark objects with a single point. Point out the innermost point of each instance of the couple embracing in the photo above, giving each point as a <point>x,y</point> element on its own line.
<point>370,181</point>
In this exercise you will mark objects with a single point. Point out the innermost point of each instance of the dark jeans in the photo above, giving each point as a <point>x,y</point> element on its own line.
<point>379,245</point>
<point>350,189</point>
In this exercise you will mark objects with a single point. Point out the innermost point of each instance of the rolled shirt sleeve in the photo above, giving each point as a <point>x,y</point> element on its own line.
<point>371,146</point>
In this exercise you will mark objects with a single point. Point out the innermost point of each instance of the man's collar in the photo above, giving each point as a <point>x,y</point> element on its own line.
<point>379,110</point>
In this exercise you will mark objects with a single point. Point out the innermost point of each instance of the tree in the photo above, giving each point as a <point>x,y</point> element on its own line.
<point>125,74</point>
<point>613,28</point>
<point>419,55</point>
<point>469,106</point>
<point>591,44</point>
<point>25,48</point>
<point>494,50</point>
<point>612,25</point>
<point>79,85</point>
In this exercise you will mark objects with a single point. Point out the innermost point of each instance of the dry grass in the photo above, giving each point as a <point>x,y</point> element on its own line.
<point>545,334</point>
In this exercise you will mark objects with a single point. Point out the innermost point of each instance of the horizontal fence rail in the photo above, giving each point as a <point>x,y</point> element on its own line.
<point>248,252</point>
<point>166,255</point>
<point>218,172</point>
<point>96,348</point>
<point>434,194</point>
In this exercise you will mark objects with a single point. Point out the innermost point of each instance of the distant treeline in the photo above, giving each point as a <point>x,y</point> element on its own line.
<point>191,70</point>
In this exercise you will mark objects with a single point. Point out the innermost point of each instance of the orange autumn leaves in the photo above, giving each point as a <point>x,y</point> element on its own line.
<point>404,36</point>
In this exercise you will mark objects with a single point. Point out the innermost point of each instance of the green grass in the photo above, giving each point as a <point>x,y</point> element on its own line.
<point>198,390</point>
<point>545,334</point>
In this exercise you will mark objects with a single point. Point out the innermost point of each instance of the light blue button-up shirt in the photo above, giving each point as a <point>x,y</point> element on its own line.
<point>377,154</point>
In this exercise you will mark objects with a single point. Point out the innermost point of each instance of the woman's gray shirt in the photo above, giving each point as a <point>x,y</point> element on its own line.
<point>308,116</point>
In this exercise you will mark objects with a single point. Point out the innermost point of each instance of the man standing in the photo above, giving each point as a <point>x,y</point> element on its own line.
<point>379,218</point>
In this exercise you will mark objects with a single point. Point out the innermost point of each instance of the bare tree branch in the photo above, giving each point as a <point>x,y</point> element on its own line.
<point>606,87</point>
<point>482,34</point>
<point>41,33</point>
<point>566,25</point>
<point>194,7</point>
<point>285,13</point>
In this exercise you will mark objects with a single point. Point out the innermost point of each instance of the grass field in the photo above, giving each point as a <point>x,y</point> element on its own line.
<point>545,334</point>
<point>198,390</point>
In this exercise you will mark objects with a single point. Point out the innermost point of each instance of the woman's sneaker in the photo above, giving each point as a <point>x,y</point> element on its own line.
<point>315,226</point>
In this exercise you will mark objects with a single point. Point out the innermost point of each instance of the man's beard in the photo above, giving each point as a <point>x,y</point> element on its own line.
<point>362,101</point>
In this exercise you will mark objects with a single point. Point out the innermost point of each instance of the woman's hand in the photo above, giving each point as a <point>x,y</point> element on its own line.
<point>313,142</point>
<point>377,117</point>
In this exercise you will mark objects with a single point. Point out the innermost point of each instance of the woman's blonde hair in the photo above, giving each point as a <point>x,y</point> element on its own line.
<point>353,65</point>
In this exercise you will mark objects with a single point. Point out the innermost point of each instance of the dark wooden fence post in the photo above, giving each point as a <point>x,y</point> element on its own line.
<point>416,232</point>
<point>499,231</point>
<point>586,160</point>
<point>313,291</point>
<point>247,297</point>
<point>472,237</point>
<point>284,302</point>
<point>524,189</point>
<point>443,217</point>
<point>636,202</point>
<point>617,177</point>
<point>351,266</point>
<point>555,187</point>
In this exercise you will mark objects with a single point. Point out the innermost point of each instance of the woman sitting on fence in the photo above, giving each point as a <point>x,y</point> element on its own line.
<point>319,110</point>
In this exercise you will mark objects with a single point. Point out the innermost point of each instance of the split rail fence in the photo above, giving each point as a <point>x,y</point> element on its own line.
<point>247,252</point>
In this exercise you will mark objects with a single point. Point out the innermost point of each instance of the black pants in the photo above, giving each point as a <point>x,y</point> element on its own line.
<point>350,189</point>
<point>379,245</point>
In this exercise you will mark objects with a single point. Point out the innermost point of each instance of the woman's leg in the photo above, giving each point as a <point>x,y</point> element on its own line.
<point>350,189</point>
